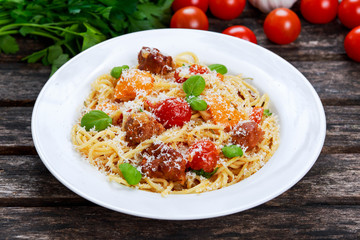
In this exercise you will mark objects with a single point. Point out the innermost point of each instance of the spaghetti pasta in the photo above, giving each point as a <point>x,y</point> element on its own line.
<point>226,96</point>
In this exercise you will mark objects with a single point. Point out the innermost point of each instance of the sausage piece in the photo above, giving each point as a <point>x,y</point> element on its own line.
<point>162,161</point>
<point>150,59</point>
<point>247,135</point>
<point>140,126</point>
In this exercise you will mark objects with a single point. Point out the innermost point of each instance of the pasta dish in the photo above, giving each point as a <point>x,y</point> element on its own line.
<point>173,125</point>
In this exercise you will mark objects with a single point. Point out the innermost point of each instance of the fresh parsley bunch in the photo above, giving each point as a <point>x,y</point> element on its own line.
<point>75,25</point>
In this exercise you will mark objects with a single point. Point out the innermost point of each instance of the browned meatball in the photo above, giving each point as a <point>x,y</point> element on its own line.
<point>150,59</point>
<point>140,126</point>
<point>247,134</point>
<point>162,161</point>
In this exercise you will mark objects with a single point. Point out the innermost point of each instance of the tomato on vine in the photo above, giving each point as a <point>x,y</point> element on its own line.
<point>349,13</point>
<point>242,32</point>
<point>282,26</point>
<point>190,17</point>
<point>352,44</point>
<point>320,11</point>
<point>178,4</point>
<point>227,9</point>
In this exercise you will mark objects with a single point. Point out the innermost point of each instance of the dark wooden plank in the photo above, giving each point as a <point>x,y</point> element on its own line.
<point>27,178</point>
<point>312,222</point>
<point>343,130</point>
<point>336,82</point>
<point>20,83</point>
<point>25,181</point>
<point>15,128</point>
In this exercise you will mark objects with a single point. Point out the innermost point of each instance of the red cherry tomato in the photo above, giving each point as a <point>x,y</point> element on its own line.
<point>202,4</point>
<point>257,114</point>
<point>282,26</point>
<point>241,32</point>
<point>203,155</point>
<point>349,13</point>
<point>320,11</point>
<point>198,69</point>
<point>227,9</point>
<point>352,44</point>
<point>172,112</point>
<point>178,78</point>
<point>190,17</point>
<point>193,70</point>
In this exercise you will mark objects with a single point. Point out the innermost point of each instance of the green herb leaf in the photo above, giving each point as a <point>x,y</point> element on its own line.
<point>130,173</point>
<point>194,85</point>
<point>196,103</point>
<point>267,112</point>
<point>36,56</point>
<point>232,151</point>
<point>219,68</point>
<point>97,119</point>
<point>54,52</point>
<point>207,175</point>
<point>117,71</point>
<point>92,36</point>
<point>76,25</point>
<point>8,44</point>
<point>58,62</point>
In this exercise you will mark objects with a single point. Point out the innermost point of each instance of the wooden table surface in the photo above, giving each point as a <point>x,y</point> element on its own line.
<point>325,204</point>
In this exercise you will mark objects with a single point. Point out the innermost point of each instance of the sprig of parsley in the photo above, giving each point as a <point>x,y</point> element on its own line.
<point>75,25</point>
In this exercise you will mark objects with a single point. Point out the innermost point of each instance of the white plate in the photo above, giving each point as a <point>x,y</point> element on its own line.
<point>301,117</point>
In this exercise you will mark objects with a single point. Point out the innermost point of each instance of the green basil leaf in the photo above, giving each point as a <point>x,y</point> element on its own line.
<point>117,71</point>
<point>194,85</point>
<point>97,119</point>
<point>232,151</point>
<point>207,175</point>
<point>196,103</point>
<point>219,68</point>
<point>267,112</point>
<point>130,173</point>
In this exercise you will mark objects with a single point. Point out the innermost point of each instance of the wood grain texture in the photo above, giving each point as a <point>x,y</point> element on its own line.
<point>343,130</point>
<point>332,222</point>
<point>333,180</point>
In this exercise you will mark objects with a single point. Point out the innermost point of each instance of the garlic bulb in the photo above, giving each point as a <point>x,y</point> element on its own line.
<point>268,5</point>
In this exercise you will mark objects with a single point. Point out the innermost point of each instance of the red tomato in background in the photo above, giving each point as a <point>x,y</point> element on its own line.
<point>178,4</point>
<point>349,13</point>
<point>203,155</point>
<point>320,11</point>
<point>352,44</point>
<point>190,17</point>
<point>172,112</point>
<point>241,32</point>
<point>282,26</point>
<point>226,9</point>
